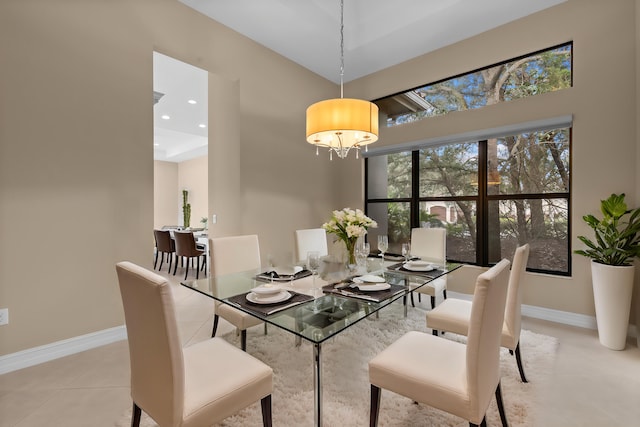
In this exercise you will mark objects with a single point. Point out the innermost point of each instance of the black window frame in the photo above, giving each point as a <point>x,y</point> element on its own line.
<point>482,200</point>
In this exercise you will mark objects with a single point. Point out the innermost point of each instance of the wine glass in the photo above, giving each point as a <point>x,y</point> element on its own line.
<point>313,263</point>
<point>406,251</point>
<point>362,252</point>
<point>383,244</point>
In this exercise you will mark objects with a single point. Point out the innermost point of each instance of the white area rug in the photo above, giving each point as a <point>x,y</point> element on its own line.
<point>346,385</point>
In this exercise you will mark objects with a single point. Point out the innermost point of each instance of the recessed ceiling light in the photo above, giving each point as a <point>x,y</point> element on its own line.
<point>192,101</point>
<point>202,125</point>
<point>165,117</point>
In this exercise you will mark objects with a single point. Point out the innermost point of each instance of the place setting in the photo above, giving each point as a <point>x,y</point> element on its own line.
<point>268,299</point>
<point>283,274</point>
<point>368,287</point>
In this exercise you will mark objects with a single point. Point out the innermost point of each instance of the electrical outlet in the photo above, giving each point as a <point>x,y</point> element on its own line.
<point>4,316</point>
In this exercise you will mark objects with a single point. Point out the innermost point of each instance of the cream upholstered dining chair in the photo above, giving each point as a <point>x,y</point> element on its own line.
<point>232,255</point>
<point>453,315</point>
<point>451,376</point>
<point>193,386</point>
<point>430,244</point>
<point>311,239</point>
<point>165,247</point>
<point>186,248</point>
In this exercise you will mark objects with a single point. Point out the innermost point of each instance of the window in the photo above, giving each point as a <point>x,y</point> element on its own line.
<point>492,195</point>
<point>540,72</point>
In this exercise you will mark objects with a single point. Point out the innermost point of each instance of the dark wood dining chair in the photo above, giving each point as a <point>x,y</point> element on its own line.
<point>165,247</point>
<point>186,248</point>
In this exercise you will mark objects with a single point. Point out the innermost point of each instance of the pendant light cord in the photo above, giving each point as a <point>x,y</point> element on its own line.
<point>341,47</point>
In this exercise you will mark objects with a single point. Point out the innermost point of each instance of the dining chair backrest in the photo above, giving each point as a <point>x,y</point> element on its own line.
<point>155,351</point>
<point>513,309</point>
<point>429,243</point>
<point>483,340</point>
<point>311,239</point>
<point>164,242</point>
<point>234,254</point>
<point>185,244</point>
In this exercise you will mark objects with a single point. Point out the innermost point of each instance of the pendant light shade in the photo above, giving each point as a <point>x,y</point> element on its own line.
<point>341,124</point>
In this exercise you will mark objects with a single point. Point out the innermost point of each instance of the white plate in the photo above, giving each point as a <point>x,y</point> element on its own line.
<point>418,266</point>
<point>376,287</point>
<point>270,299</point>
<point>267,289</point>
<point>368,278</point>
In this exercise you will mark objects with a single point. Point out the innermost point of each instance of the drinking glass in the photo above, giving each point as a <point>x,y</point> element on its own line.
<point>383,244</point>
<point>406,251</point>
<point>313,263</point>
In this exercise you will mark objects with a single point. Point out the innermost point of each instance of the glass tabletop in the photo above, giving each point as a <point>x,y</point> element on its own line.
<point>311,313</point>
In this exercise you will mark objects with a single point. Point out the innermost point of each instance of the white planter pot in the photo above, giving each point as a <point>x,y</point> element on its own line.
<point>612,289</point>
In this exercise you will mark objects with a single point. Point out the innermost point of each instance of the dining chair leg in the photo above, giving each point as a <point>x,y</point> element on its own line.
<point>375,406</point>
<point>175,267</point>
<point>161,261</point>
<point>197,267</point>
<point>519,362</point>
<point>433,302</point>
<point>413,304</point>
<point>135,415</point>
<point>503,415</point>
<point>155,261</point>
<point>170,255</point>
<point>444,293</point>
<point>186,272</point>
<point>243,340</point>
<point>215,325</point>
<point>265,403</point>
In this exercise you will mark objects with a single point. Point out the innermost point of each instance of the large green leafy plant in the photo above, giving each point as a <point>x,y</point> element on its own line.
<point>617,239</point>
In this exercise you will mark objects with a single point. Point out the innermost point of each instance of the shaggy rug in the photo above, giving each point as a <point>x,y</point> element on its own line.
<point>346,385</point>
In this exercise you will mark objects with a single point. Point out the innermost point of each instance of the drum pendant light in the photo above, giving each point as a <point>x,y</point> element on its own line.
<point>342,124</point>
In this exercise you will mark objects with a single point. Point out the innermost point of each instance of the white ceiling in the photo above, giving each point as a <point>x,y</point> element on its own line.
<point>377,34</point>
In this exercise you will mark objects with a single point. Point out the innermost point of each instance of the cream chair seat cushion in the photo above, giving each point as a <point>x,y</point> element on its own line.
<point>220,380</point>
<point>237,318</point>
<point>453,315</point>
<point>418,365</point>
<point>433,288</point>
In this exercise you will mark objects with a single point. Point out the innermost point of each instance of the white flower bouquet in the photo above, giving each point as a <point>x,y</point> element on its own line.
<point>349,224</point>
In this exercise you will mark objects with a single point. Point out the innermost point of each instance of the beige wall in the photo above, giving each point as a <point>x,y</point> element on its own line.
<point>637,192</point>
<point>603,102</point>
<point>76,153</point>
<point>165,194</point>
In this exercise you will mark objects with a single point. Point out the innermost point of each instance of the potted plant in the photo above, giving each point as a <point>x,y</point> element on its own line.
<point>186,210</point>
<point>617,243</point>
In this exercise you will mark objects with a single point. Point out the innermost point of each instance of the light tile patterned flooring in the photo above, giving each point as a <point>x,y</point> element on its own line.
<point>591,385</point>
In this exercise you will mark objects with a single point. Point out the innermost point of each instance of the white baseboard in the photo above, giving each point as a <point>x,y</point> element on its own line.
<point>44,353</point>
<point>557,316</point>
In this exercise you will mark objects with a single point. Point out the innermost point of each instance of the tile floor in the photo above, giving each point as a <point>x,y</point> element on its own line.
<point>591,385</point>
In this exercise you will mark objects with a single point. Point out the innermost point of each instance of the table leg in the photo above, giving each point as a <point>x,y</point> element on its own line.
<point>317,385</point>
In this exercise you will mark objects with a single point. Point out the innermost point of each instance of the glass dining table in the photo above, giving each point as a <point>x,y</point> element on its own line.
<point>317,310</point>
